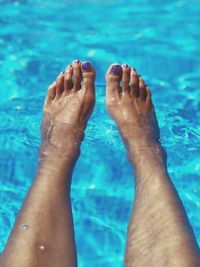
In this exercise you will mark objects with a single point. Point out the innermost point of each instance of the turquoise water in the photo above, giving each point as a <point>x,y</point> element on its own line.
<point>161,40</point>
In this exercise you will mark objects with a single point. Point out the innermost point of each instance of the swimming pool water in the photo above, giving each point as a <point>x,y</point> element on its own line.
<point>161,40</point>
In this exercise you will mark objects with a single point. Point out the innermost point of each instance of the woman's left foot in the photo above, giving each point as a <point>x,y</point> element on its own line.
<point>130,105</point>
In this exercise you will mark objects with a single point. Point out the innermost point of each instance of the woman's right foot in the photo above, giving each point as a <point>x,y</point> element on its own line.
<point>68,106</point>
<point>130,105</point>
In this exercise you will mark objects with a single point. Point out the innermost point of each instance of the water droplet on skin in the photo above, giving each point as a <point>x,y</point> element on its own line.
<point>41,247</point>
<point>24,226</point>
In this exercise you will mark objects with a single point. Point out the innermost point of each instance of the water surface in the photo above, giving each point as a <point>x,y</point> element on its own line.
<point>161,40</point>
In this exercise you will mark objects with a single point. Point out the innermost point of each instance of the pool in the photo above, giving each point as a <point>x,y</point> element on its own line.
<point>161,40</point>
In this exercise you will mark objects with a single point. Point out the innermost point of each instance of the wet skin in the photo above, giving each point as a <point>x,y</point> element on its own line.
<point>49,240</point>
<point>159,233</point>
<point>153,240</point>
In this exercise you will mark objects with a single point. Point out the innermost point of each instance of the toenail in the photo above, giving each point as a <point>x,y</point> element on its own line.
<point>76,61</point>
<point>116,69</point>
<point>86,66</point>
<point>125,65</point>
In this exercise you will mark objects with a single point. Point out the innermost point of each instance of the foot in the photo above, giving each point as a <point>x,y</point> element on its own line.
<point>130,105</point>
<point>68,105</point>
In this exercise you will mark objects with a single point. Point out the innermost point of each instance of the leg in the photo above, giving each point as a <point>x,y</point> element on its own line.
<point>43,234</point>
<point>159,232</point>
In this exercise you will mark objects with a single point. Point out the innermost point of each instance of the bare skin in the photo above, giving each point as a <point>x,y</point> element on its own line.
<point>46,212</point>
<point>159,233</point>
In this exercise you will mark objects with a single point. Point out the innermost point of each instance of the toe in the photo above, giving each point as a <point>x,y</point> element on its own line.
<point>68,78</point>
<point>149,99</point>
<point>88,77</point>
<point>76,65</point>
<point>142,88</point>
<point>50,94</point>
<point>125,78</point>
<point>60,85</point>
<point>113,78</point>
<point>134,83</point>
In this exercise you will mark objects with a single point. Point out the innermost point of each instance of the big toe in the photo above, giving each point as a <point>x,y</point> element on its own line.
<point>88,76</point>
<point>113,78</point>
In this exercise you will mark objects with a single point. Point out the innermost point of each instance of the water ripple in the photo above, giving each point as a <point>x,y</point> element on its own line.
<point>161,40</point>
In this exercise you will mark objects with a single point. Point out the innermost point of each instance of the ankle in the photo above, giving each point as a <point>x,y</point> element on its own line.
<point>57,163</point>
<point>146,152</point>
<point>64,149</point>
<point>60,140</point>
